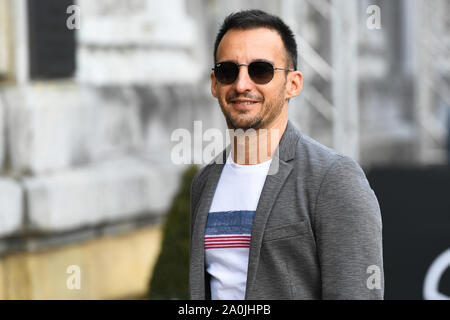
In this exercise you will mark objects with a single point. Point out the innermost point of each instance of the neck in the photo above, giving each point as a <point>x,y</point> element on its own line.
<point>254,146</point>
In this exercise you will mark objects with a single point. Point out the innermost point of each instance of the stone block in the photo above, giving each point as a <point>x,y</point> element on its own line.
<point>136,23</point>
<point>137,42</point>
<point>136,66</point>
<point>56,126</point>
<point>5,37</point>
<point>11,206</point>
<point>105,192</point>
<point>2,134</point>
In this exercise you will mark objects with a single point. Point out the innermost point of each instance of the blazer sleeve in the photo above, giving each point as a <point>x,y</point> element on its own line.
<point>348,231</point>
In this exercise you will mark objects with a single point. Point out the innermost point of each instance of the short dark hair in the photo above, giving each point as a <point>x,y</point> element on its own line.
<point>252,19</point>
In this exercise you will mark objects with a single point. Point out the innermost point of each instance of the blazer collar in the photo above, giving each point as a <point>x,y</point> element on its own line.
<point>288,142</point>
<point>279,171</point>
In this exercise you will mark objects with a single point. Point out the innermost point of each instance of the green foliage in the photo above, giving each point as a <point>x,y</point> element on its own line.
<point>171,273</point>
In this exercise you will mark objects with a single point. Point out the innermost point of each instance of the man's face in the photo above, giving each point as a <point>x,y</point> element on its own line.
<point>244,103</point>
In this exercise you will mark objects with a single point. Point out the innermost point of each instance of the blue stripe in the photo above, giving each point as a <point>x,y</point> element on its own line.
<point>229,222</point>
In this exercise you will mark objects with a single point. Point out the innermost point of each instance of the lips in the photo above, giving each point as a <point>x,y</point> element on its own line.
<point>245,103</point>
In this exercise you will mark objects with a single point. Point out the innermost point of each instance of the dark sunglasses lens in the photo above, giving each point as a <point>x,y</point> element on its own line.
<point>226,72</point>
<point>261,72</point>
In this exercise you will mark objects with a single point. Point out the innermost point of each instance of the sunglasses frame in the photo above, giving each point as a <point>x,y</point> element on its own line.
<point>217,65</point>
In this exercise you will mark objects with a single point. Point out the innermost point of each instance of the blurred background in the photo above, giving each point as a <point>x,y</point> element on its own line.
<point>91,92</point>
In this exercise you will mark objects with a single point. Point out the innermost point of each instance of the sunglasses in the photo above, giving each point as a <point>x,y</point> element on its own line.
<point>261,72</point>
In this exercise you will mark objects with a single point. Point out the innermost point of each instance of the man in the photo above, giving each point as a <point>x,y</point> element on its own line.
<point>311,229</point>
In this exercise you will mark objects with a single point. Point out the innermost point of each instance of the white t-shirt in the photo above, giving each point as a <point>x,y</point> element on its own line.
<point>229,226</point>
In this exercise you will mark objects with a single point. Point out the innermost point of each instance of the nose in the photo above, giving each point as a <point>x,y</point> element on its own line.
<point>243,82</point>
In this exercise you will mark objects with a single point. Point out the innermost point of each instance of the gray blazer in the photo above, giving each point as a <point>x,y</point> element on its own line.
<point>316,231</point>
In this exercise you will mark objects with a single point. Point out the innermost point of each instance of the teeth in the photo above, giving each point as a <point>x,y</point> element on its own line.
<point>245,103</point>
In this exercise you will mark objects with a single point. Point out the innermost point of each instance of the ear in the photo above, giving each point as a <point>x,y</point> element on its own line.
<point>213,85</point>
<point>294,84</point>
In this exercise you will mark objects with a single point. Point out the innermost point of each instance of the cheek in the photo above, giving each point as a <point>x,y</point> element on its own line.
<point>274,93</point>
<point>222,93</point>
<point>282,89</point>
<point>223,96</point>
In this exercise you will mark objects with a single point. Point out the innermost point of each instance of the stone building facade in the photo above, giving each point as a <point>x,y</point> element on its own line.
<point>85,158</point>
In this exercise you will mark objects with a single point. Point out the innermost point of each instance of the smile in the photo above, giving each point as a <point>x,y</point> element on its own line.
<point>245,103</point>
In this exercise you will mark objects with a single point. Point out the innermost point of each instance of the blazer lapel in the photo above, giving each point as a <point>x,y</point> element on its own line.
<point>278,173</point>
<point>268,196</point>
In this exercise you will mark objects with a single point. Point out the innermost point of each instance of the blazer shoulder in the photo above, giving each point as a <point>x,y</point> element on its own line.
<point>317,165</point>
<point>317,156</point>
<point>331,161</point>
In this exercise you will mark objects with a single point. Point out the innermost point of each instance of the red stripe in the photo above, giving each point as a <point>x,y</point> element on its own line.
<point>228,240</point>
<point>226,237</point>
<point>224,247</point>
<point>226,244</point>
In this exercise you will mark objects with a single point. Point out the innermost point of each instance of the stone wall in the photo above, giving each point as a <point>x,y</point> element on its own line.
<point>111,267</point>
<point>89,158</point>
<point>81,156</point>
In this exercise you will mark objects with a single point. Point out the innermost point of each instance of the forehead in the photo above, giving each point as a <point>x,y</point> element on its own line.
<point>244,46</point>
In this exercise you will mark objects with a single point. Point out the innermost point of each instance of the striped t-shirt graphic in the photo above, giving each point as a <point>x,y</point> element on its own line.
<point>229,227</point>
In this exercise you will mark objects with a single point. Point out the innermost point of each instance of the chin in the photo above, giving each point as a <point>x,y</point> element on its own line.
<point>242,120</point>
<point>244,124</point>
